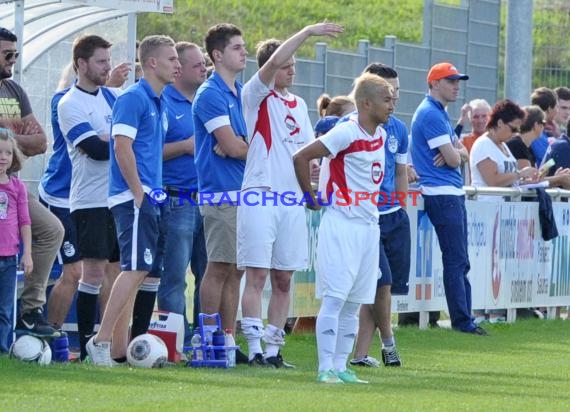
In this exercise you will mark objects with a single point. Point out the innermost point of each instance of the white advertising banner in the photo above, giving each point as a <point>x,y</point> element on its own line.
<point>150,6</point>
<point>511,265</point>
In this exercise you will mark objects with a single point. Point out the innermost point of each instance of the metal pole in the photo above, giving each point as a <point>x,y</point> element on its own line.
<point>518,51</point>
<point>132,44</point>
<point>19,32</point>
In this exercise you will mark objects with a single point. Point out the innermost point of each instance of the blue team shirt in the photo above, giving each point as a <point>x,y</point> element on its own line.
<point>214,106</point>
<point>141,115</point>
<point>179,172</point>
<point>539,148</point>
<point>56,180</point>
<point>432,128</point>
<point>396,145</point>
<point>560,152</point>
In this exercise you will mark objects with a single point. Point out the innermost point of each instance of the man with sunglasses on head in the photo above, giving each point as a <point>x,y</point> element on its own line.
<point>47,232</point>
<point>438,155</point>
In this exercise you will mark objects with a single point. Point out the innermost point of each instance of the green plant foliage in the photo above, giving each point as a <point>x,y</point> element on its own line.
<point>262,19</point>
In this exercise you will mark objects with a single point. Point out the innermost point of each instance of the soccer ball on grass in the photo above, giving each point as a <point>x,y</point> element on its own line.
<point>147,351</point>
<point>29,348</point>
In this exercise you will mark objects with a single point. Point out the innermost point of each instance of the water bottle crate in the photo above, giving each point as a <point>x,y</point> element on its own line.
<point>209,354</point>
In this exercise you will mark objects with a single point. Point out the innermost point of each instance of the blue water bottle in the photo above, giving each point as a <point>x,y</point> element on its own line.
<point>219,342</point>
<point>60,348</point>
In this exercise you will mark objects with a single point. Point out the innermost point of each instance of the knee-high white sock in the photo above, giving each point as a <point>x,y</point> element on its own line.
<point>347,327</point>
<point>327,330</point>
<point>252,329</point>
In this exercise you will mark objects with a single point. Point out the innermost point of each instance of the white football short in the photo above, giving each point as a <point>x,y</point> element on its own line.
<point>272,234</point>
<point>347,258</point>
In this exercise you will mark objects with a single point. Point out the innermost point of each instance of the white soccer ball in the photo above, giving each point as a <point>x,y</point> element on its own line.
<point>28,348</point>
<point>147,351</point>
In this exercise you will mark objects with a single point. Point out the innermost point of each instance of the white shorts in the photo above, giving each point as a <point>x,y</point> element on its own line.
<point>273,236</point>
<point>347,258</point>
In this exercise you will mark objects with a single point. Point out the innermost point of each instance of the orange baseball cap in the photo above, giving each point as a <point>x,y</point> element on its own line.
<point>445,71</point>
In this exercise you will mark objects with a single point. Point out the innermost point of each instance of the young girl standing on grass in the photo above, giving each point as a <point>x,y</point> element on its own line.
<point>14,223</point>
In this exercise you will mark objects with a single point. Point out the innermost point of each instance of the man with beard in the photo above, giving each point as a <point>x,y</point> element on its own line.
<point>85,119</point>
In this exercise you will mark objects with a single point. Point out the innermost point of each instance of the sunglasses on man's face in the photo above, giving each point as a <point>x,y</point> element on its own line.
<point>8,55</point>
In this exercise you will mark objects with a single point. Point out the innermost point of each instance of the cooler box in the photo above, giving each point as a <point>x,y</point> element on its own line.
<point>169,327</point>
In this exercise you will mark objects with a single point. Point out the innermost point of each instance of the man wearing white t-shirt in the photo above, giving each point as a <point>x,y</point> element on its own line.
<point>84,114</point>
<point>271,231</point>
<point>347,252</point>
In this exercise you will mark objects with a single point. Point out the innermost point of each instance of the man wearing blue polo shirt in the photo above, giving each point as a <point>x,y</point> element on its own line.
<point>184,237</point>
<point>438,155</point>
<point>137,136</point>
<point>220,153</point>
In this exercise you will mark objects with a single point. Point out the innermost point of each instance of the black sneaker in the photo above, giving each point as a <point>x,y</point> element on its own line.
<point>33,323</point>
<point>259,361</point>
<point>241,358</point>
<point>390,356</point>
<point>278,362</point>
<point>479,331</point>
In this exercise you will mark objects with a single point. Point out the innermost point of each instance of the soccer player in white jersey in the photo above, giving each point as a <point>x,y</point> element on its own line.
<point>272,232</point>
<point>347,251</point>
<point>84,114</point>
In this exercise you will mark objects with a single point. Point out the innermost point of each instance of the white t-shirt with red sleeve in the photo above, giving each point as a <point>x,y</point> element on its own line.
<point>355,169</point>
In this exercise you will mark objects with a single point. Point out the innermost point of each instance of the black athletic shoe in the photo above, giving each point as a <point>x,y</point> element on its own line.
<point>33,323</point>
<point>241,358</point>
<point>278,362</point>
<point>479,331</point>
<point>390,356</point>
<point>259,361</point>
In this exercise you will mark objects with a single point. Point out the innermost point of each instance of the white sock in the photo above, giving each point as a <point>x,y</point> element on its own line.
<point>252,329</point>
<point>274,338</point>
<point>347,327</point>
<point>327,330</point>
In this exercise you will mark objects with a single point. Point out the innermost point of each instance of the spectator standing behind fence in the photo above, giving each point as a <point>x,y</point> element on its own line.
<point>438,155</point>
<point>492,163</point>
<point>137,137</point>
<point>47,231</point>
<point>336,106</point>
<point>184,242</point>
<point>479,111</point>
<point>558,126</point>
<point>560,152</point>
<point>272,238</point>
<point>519,145</point>
<point>219,155</point>
<point>546,100</point>
<point>15,221</point>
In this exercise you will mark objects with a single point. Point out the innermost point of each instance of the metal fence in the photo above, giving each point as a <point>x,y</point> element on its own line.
<point>551,65</point>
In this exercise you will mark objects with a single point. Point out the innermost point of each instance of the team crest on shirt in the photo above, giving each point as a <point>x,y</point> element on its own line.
<point>292,126</point>
<point>68,249</point>
<point>377,173</point>
<point>392,144</point>
<point>147,256</point>
<point>164,121</point>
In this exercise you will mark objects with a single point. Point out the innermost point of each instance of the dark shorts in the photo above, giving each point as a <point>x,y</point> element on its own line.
<point>395,246</point>
<point>69,250</point>
<point>138,234</point>
<point>96,233</point>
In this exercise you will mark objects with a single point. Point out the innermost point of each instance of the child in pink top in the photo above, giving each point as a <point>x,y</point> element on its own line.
<point>14,223</point>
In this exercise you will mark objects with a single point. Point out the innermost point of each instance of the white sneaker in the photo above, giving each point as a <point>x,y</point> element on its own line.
<point>100,353</point>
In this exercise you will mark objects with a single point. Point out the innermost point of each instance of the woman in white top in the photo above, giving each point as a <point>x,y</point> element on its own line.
<point>492,163</point>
